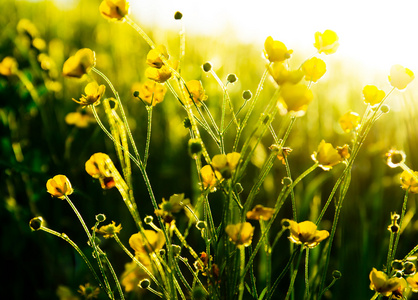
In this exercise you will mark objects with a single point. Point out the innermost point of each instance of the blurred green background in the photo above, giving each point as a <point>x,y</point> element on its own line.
<point>37,143</point>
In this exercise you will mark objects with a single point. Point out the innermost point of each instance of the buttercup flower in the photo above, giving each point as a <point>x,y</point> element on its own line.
<point>109,230</point>
<point>326,42</point>
<point>222,161</point>
<point>305,233</point>
<point>372,95</point>
<point>89,291</point>
<point>295,98</point>
<point>174,205</point>
<point>59,186</point>
<point>210,177</point>
<point>160,75</point>
<point>80,119</point>
<point>79,64</point>
<point>282,75</point>
<point>114,10</point>
<point>154,241</point>
<point>327,156</point>
<point>98,167</point>
<point>276,51</point>
<point>152,92</point>
<point>8,66</point>
<point>240,234</point>
<point>153,57</point>
<point>94,93</point>
<point>409,181</point>
<point>350,121</point>
<point>413,282</point>
<point>400,77</point>
<point>395,158</point>
<point>194,89</point>
<point>385,286</point>
<point>260,212</point>
<point>314,69</point>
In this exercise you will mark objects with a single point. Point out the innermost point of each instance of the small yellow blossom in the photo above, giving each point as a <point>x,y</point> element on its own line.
<point>94,93</point>
<point>240,234</point>
<point>222,161</point>
<point>59,186</point>
<point>314,69</point>
<point>114,10</point>
<point>413,282</point>
<point>305,233</point>
<point>395,158</point>
<point>194,89</point>
<point>25,26</point>
<point>350,121</point>
<point>295,98</point>
<point>282,75</point>
<point>88,291</point>
<point>132,275</point>
<point>174,205</point>
<point>160,75</point>
<point>380,283</point>
<point>109,230</point>
<point>409,181</point>
<point>326,42</point>
<point>154,56</point>
<point>276,51</point>
<point>152,242</point>
<point>152,92</point>
<point>210,177</point>
<point>327,156</point>
<point>372,95</point>
<point>260,212</point>
<point>98,167</point>
<point>80,63</point>
<point>343,152</point>
<point>400,77</point>
<point>8,66</point>
<point>80,119</point>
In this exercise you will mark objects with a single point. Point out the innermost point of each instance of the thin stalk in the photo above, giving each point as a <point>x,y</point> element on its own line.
<point>182,279</point>
<point>185,261</point>
<point>241,268</point>
<point>395,245</point>
<point>140,31</point>
<point>293,278</point>
<point>307,274</point>
<point>147,144</point>
<point>334,280</point>
<point>83,256</point>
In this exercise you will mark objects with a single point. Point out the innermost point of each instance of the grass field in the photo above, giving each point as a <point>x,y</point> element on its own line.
<point>354,201</point>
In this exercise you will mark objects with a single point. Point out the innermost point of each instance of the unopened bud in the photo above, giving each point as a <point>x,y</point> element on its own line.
<point>100,218</point>
<point>201,225</point>
<point>385,108</point>
<point>144,283</point>
<point>247,95</point>
<point>207,66</point>
<point>178,15</point>
<point>148,220</point>
<point>336,274</point>
<point>231,78</point>
<point>36,223</point>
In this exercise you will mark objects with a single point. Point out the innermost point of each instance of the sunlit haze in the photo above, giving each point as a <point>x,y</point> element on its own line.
<point>377,34</point>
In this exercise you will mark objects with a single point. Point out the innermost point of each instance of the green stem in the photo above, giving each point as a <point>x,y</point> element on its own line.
<point>147,144</point>
<point>241,268</point>
<point>395,245</point>
<point>307,274</point>
<point>293,278</point>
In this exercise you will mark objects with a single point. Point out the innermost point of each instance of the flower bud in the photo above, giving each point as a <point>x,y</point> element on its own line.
<point>231,78</point>
<point>207,66</point>
<point>136,94</point>
<point>195,148</point>
<point>178,15</point>
<point>144,284</point>
<point>247,95</point>
<point>161,252</point>
<point>100,218</point>
<point>385,108</point>
<point>397,265</point>
<point>336,274</point>
<point>409,268</point>
<point>176,249</point>
<point>201,225</point>
<point>287,181</point>
<point>148,220</point>
<point>36,223</point>
<point>186,123</point>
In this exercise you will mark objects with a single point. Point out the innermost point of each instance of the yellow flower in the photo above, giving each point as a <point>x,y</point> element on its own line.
<point>260,212</point>
<point>8,66</point>
<point>222,161</point>
<point>89,291</point>
<point>295,98</point>
<point>400,77</point>
<point>132,275</point>
<point>276,51</point>
<point>80,119</point>
<point>59,186</point>
<point>194,89</point>
<point>372,95</point>
<point>409,181</point>
<point>210,177</point>
<point>152,92</point>
<point>94,93</point>
<point>395,158</point>
<point>109,230</point>
<point>380,283</point>
<point>80,63</point>
<point>314,69</point>
<point>413,282</point>
<point>327,156</point>
<point>350,121</point>
<point>240,234</point>
<point>282,75</point>
<point>305,233</point>
<point>152,242</point>
<point>28,28</point>
<point>326,42</point>
<point>174,205</point>
<point>114,10</point>
<point>98,167</point>
<point>153,57</point>
<point>160,75</point>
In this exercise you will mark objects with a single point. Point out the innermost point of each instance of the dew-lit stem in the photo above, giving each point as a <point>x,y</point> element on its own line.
<point>241,268</point>
<point>306,274</point>
<point>395,245</point>
<point>147,144</point>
